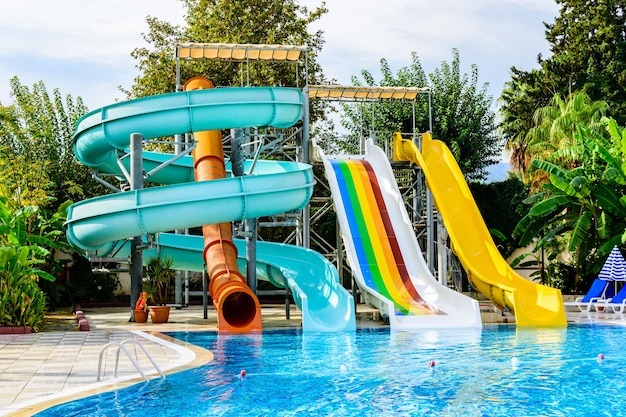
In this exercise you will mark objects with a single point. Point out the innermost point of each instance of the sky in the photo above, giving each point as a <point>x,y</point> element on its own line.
<point>82,47</point>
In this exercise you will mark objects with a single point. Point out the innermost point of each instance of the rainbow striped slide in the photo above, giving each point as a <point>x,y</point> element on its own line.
<point>382,248</point>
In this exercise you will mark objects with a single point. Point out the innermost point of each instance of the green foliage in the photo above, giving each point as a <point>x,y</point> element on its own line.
<point>39,175</point>
<point>227,21</point>
<point>552,138</point>
<point>22,303</point>
<point>519,100</point>
<point>588,45</point>
<point>159,273</point>
<point>501,205</point>
<point>23,249</point>
<point>583,207</point>
<point>38,164</point>
<point>561,275</point>
<point>461,112</point>
<point>556,124</point>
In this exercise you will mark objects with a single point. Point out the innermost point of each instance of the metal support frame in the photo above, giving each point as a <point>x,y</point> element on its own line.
<point>258,143</point>
<point>294,144</point>
<point>417,198</point>
<point>136,255</point>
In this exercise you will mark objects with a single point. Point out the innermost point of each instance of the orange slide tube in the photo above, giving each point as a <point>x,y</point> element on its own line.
<point>237,307</point>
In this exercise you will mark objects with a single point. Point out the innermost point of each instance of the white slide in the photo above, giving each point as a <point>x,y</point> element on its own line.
<point>382,249</point>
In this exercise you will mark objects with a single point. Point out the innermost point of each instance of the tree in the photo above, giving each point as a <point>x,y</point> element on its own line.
<point>388,117</point>
<point>519,97</point>
<point>39,177</point>
<point>588,45</point>
<point>36,137</point>
<point>460,110</point>
<point>227,21</point>
<point>582,206</point>
<point>556,124</point>
<point>552,137</point>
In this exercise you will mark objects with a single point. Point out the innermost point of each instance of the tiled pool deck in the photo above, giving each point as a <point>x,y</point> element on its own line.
<point>42,369</point>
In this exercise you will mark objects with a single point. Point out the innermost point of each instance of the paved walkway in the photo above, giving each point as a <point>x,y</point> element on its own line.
<point>43,369</point>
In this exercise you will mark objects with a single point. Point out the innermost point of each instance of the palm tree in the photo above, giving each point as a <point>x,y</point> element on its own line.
<point>582,205</point>
<point>160,273</point>
<point>514,128</point>
<point>518,102</point>
<point>557,123</point>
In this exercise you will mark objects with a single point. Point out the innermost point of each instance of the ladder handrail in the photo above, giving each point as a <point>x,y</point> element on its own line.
<point>152,361</point>
<point>120,347</point>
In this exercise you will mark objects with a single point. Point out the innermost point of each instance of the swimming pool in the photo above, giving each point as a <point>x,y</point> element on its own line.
<point>374,372</point>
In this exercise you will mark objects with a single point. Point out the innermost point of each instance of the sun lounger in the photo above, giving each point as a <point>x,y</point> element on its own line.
<point>600,290</point>
<point>617,303</point>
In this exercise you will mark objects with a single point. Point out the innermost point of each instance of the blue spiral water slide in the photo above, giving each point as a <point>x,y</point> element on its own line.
<point>102,224</point>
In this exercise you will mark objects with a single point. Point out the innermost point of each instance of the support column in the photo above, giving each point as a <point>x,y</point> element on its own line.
<point>442,255</point>
<point>250,225</point>
<point>136,255</point>
<point>251,237</point>
<point>305,144</point>
<point>430,232</point>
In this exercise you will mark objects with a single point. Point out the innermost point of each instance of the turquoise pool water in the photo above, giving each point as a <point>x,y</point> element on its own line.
<point>500,371</point>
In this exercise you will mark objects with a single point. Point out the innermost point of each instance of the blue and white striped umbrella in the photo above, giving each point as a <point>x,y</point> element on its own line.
<point>614,269</point>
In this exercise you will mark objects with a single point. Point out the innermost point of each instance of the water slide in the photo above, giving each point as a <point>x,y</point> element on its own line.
<point>227,284</point>
<point>533,304</point>
<point>102,225</point>
<point>382,249</point>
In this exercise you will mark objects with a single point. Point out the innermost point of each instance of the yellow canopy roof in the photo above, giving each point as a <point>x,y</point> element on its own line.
<point>365,93</point>
<point>239,52</point>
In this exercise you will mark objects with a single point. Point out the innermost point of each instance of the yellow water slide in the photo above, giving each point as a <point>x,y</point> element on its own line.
<point>533,304</point>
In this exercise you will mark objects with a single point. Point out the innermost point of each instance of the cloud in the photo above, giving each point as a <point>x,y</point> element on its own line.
<point>74,29</point>
<point>493,34</point>
<point>83,46</point>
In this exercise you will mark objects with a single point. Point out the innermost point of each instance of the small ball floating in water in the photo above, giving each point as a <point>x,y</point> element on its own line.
<point>343,369</point>
<point>431,364</point>
<point>242,374</point>
<point>600,357</point>
<point>514,362</point>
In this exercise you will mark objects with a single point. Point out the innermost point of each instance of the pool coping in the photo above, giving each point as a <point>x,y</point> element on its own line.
<point>191,356</point>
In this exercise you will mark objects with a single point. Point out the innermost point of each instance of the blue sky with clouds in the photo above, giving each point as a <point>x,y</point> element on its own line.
<point>83,47</point>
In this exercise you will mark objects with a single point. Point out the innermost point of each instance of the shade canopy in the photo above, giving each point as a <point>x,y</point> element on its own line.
<point>338,92</point>
<point>239,52</point>
<point>614,269</point>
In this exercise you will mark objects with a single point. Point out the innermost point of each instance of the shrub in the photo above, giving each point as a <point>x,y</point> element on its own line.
<point>22,303</point>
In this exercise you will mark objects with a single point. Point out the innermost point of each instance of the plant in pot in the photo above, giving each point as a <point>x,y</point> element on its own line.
<point>159,275</point>
<point>141,308</point>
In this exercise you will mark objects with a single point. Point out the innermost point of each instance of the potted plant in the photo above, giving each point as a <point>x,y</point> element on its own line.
<point>141,308</point>
<point>159,274</point>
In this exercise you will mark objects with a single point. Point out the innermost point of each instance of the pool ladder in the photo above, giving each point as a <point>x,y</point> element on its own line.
<point>120,347</point>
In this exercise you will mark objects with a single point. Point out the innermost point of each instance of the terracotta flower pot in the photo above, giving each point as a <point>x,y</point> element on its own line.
<point>141,316</point>
<point>159,314</point>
